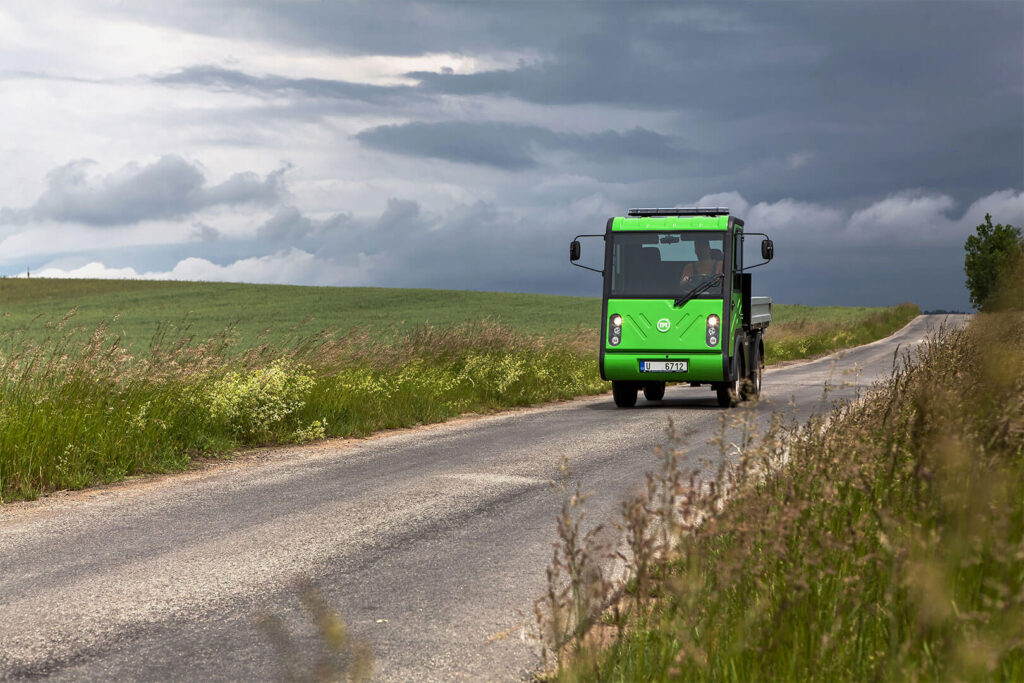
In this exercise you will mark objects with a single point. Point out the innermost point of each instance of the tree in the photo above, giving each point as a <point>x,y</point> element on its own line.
<point>988,253</point>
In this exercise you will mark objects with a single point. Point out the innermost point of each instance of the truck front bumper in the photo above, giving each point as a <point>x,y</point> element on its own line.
<point>625,366</point>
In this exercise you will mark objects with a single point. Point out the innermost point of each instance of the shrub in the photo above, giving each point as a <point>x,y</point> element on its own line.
<point>259,405</point>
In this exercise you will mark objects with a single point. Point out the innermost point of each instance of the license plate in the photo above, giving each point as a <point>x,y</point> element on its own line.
<point>663,366</point>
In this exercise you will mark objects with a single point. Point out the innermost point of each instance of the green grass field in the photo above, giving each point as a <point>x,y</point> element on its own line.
<point>281,315</point>
<point>274,314</point>
<point>103,379</point>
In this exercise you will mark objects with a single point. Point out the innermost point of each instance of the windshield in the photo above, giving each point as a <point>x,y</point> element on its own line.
<point>666,264</point>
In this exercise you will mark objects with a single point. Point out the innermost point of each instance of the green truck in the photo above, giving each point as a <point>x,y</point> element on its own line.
<point>677,304</point>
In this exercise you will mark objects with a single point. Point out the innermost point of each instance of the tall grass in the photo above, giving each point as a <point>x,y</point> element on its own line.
<point>886,544</point>
<point>801,333</point>
<point>74,414</point>
<point>79,408</point>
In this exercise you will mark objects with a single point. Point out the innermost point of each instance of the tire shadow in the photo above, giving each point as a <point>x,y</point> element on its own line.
<point>677,401</point>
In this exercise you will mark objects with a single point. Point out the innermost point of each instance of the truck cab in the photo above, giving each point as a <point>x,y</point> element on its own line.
<point>677,304</point>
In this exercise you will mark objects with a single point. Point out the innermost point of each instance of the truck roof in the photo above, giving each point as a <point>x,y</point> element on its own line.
<point>691,211</point>
<point>693,218</point>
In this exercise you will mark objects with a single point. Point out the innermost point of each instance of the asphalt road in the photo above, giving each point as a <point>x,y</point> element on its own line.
<point>427,541</point>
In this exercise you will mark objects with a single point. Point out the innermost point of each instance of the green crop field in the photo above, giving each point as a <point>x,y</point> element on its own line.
<point>102,379</point>
<point>279,315</point>
<point>274,314</point>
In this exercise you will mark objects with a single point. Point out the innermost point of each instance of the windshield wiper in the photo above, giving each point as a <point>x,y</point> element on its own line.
<point>699,289</point>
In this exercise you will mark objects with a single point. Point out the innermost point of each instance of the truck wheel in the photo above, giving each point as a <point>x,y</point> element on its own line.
<point>729,392</point>
<point>654,391</point>
<point>624,394</point>
<point>751,388</point>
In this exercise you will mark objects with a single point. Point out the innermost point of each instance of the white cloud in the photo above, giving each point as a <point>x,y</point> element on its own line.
<point>54,238</point>
<point>784,216</point>
<point>96,270</point>
<point>88,42</point>
<point>342,250</point>
<point>787,214</point>
<point>905,215</point>
<point>289,266</point>
<point>1005,206</point>
<point>733,201</point>
<point>47,238</point>
<point>170,187</point>
<point>900,219</point>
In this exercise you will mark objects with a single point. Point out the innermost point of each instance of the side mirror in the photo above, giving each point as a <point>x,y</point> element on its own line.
<point>767,249</point>
<point>574,250</point>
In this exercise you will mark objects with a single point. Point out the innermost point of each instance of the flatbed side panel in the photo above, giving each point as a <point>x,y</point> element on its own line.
<point>760,311</point>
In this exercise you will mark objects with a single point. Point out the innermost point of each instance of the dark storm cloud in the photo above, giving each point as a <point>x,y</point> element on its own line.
<point>881,96</point>
<point>907,246</point>
<point>400,28</point>
<point>512,146</point>
<point>885,120</point>
<point>931,277</point>
<point>217,78</point>
<point>874,97</point>
<point>473,246</point>
<point>170,187</point>
<point>204,233</point>
<point>875,57</point>
<point>823,256</point>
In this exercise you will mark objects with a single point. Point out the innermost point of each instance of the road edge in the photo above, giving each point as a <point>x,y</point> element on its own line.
<point>280,455</point>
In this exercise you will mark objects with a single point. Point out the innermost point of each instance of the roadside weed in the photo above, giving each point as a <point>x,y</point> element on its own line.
<point>78,407</point>
<point>884,543</point>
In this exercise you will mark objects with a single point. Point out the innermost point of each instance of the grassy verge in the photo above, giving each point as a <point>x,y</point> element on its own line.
<point>82,406</point>
<point>77,415</point>
<point>808,331</point>
<point>887,546</point>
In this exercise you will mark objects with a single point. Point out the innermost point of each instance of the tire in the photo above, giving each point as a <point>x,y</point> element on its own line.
<point>624,394</point>
<point>729,393</point>
<point>654,391</point>
<point>751,388</point>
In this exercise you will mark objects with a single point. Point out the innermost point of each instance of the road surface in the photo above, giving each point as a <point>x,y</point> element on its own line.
<point>428,541</point>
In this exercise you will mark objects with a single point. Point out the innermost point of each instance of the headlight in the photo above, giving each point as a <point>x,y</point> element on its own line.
<point>712,333</point>
<point>615,329</point>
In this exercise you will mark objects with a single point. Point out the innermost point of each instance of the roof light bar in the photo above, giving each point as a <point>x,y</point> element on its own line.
<point>694,211</point>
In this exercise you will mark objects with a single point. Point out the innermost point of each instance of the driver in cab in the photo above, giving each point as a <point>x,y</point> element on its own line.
<point>707,264</point>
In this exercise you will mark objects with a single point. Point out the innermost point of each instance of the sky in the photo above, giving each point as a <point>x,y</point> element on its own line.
<point>463,145</point>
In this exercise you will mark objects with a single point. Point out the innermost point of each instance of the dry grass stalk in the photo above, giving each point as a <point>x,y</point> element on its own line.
<point>332,654</point>
<point>886,541</point>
